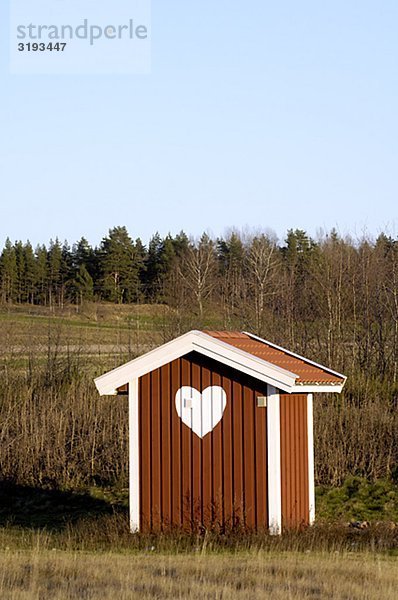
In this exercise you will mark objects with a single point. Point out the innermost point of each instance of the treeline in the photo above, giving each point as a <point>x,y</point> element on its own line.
<point>333,297</point>
<point>119,270</point>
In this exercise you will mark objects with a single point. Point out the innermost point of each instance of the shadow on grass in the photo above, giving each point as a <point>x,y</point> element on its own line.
<point>32,517</point>
<point>38,508</point>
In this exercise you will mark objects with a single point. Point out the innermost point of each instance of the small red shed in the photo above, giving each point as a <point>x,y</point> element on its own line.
<point>221,432</point>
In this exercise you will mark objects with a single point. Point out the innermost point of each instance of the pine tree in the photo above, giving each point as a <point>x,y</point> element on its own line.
<point>181,243</point>
<point>21,269</point>
<point>54,272</point>
<point>66,275</point>
<point>8,272</point>
<point>84,285</point>
<point>30,277</point>
<point>153,268</point>
<point>140,255</point>
<point>83,255</point>
<point>41,275</point>
<point>120,273</point>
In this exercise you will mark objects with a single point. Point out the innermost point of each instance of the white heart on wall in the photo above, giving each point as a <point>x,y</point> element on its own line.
<point>201,412</point>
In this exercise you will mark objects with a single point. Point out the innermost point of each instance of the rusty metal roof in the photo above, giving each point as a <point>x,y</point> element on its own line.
<point>308,372</point>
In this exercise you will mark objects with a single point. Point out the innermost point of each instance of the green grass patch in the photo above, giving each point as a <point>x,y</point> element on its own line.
<point>358,499</point>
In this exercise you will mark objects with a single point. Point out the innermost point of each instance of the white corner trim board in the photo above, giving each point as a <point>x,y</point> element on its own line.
<point>311,468</point>
<point>134,450</point>
<point>274,461</point>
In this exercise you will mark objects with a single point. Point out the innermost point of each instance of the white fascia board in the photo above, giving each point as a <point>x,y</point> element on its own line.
<point>198,341</point>
<point>108,383</point>
<point>310,362</point>
<point>313,388</point>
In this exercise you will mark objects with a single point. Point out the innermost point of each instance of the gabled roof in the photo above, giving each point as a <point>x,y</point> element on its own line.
<point>242,351</point>
<point>308,372</point>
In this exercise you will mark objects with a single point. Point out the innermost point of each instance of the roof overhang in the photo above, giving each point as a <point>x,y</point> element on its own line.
<point>198,341</point>
<point>308,387</point>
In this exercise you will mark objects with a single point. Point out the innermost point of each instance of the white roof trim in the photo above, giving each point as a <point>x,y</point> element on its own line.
<point>306,360</point>
<point>223,352</point>
<point>205,344</point>
<point>313,388</point>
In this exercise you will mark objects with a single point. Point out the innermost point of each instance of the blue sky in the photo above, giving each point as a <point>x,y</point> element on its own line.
<point>255,115</point>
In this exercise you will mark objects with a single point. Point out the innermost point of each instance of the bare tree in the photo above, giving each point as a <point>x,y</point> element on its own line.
<point>198,270</point>
<point>390,287</point>
<point>262,261</point>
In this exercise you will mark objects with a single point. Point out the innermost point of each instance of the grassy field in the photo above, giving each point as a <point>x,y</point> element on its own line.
<point>100,334</point>
<point>63,498</point>
<point>58,545</point>
<point>64,575</point>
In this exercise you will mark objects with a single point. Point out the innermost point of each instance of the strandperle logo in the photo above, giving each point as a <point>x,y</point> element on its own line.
<point>80,36</point>
<point>84,31</point>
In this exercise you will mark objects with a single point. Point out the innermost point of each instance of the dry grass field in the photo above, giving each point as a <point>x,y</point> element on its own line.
<point>62,575</point>
<point>96,334</point>
<point>98,558</point>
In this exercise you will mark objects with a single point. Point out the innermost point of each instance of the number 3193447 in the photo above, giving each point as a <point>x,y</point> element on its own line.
<point>42,47</point>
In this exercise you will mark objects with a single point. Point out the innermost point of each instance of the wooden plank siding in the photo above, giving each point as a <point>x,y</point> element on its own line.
<point>220,480</point>
<point>294,460</point>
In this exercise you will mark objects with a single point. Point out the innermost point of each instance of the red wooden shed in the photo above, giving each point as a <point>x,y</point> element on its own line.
<point>221,432</point>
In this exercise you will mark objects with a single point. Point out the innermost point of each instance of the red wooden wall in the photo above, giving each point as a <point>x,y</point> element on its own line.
<point>218,480</point>
<point>294,460</point>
